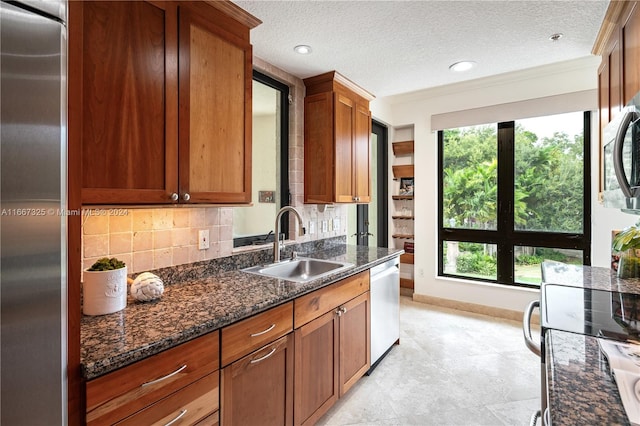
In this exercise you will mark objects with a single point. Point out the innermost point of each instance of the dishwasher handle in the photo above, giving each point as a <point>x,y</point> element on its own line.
<point>526,328</point>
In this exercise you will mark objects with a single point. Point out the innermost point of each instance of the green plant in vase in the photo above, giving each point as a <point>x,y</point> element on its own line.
<point>627,243</point>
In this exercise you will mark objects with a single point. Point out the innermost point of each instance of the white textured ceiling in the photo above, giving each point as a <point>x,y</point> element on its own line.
<point>393,47</point>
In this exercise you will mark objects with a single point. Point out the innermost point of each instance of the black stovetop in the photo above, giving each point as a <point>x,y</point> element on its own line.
<point>593,312</point>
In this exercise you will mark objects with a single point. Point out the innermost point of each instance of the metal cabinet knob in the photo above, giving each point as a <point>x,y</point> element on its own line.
<point>186,196</point>
<point>174,197</point>
<point>341,311</point>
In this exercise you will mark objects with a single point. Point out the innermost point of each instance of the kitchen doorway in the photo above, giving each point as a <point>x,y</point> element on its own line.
<point>368,223</point>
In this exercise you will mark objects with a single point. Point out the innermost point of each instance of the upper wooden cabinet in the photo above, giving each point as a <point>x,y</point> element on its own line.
<point>337,132</point>
<point>618,43</point>
<point>160,101</point>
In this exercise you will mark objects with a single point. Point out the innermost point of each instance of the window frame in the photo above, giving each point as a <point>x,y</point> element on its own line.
<point>505,236</point>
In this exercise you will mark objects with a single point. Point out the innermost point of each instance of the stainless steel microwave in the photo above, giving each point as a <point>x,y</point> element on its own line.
<point>621,158</point>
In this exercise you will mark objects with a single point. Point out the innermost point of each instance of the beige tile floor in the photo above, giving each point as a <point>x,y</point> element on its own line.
<point>451,368</point>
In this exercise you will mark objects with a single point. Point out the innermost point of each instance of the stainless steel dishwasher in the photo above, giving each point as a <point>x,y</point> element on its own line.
<point>385,308</point>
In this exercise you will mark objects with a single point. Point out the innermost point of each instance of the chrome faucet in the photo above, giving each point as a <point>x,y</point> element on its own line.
<point>276,240</point>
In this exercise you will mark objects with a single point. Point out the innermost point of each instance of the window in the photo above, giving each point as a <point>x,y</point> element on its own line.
<point>513,194</point>
<point>270,150</point>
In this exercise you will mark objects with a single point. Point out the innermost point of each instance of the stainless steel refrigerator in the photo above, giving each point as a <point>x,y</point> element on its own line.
<point>33,241</point>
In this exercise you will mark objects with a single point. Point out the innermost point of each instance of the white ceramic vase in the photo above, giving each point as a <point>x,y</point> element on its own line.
<point>104,292</point>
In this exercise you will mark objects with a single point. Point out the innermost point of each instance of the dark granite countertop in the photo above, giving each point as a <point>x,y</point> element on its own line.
<point>580,303</point>
<point>202,299</point>
<point>581,390</point>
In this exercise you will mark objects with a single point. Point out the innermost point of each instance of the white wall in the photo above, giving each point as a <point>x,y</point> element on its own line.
<point>418,107</point>
<point>259,218</point>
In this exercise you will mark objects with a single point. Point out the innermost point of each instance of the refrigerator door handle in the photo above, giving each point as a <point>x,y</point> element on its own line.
<point>526,328</point>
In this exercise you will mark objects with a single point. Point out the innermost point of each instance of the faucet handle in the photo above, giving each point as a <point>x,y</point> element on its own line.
<point>303,231</point>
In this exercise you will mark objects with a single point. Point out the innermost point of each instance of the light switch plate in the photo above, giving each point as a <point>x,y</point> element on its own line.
<point>203,239</point>
<point>336,224</point>
<point>312,227</point>
<point>325,226</point>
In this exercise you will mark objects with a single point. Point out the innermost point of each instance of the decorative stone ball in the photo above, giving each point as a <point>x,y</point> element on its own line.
<point>147,287</point>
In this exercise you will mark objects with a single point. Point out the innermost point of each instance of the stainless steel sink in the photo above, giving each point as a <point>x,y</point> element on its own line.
<point>299,270</point>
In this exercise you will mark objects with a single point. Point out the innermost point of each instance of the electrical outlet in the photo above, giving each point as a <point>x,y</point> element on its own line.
<point>203,239</point>
<point>312,227</point>
<point>421,273</point>
<point>336,224</point>
<point>325,226</point>
<point>330,225</point>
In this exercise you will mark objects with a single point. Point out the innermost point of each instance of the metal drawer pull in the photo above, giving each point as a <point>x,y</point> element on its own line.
<point>164,377</point>
<point>178,417</point>
<point>262,358</point>
<point>265,331</point>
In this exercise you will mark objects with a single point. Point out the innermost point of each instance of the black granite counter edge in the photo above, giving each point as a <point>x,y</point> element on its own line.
<point>94,369</point>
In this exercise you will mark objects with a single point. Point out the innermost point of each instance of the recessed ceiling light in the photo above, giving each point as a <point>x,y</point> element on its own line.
<point>302,49</point>
<point>462,66</point>
<point>555,37</point>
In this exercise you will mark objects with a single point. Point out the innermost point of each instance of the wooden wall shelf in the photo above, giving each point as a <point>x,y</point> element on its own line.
<point>403,148</point>
<point>403,236</point>
<point>407,258</point>
<point>406,283</point>
<point>403,171</point>
<point>402,197</point>
<point>403,217</point>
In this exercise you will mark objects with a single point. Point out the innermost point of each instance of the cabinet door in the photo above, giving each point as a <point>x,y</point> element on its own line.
<point>344,117</point>
<point>362,156</point>
<point>355,343</point>
<point>123,105</point>
<point>316,377</point>
<point>215,111</point>
<point>603,94</point>
<point>318,148</point>
<point>258,389</point>
<point>631,46</point>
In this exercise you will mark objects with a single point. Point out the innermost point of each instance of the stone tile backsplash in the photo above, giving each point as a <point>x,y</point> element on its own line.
<point>155,238</point>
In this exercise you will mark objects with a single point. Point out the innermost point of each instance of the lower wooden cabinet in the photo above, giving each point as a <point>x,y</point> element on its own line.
<point>116,396</point>
<point>197,402</point>
<point>258,389</point>
<point>355,341</point>
<point>333,350</point>
<point>317,356</point>
<point>293,377</point>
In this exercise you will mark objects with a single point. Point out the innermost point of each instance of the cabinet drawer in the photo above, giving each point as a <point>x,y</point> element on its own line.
<point>313,305</point>
<point>119,394</point>
<point>212,420</point>
<point>185,407</point>
<point>245,336</point>
<point>258,388</point>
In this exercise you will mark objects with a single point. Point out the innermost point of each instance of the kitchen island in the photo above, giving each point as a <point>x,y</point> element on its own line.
<point>580,304</point>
